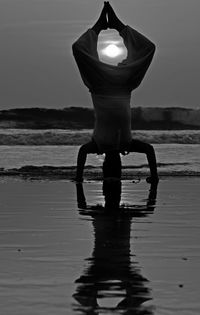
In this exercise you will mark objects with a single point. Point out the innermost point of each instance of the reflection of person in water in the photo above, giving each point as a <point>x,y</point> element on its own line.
<point>111,87</point>
<point>111,275</point>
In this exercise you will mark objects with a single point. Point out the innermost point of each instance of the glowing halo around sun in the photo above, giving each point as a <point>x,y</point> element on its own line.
<point>112,51</point>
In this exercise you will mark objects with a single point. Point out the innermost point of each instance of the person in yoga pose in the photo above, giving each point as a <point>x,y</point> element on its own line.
<point>110,87</point>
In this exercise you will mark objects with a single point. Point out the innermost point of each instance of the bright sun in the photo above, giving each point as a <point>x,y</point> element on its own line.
<point>112,51</point>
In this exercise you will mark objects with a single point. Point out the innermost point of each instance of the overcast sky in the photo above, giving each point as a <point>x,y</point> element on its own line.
<point>37,67</point>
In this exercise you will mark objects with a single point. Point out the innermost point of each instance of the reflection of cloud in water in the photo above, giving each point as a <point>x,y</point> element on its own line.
<point>111,282</point>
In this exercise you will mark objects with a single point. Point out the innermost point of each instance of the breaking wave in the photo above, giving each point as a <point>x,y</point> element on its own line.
<point>13,137</point>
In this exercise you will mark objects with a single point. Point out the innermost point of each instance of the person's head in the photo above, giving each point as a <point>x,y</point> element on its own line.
<point>112,165</point>
<point>112,176</point>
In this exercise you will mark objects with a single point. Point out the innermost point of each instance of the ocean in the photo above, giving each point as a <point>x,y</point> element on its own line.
<point>177,151</point>
<point>62,252</point>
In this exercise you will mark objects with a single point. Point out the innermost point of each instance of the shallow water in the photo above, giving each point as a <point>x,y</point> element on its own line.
<point>171,158</point>
<point>58,259</point>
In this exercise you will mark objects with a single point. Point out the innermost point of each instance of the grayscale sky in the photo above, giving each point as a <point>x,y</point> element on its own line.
<point>37,67</point>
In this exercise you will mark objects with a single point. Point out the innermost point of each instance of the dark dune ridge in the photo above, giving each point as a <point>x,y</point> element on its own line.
<point>147,118</point>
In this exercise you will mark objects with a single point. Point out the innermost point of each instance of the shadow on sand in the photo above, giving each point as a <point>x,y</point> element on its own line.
<point>112,282</point>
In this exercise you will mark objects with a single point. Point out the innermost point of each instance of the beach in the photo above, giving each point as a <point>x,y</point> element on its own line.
<point>114,232</point>
<point>56,258</point>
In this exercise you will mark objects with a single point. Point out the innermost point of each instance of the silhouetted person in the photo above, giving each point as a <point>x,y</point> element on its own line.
<point>110,87</point>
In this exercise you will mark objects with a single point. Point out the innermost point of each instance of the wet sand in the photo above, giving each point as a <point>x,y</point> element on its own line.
<point>56,258</point>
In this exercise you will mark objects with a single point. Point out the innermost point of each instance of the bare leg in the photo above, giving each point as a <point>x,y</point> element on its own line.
<point>113,21</point>
<point>85,149</point>
<point>142,147</point>
<point>108,19</point>
<point>101,23</point>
